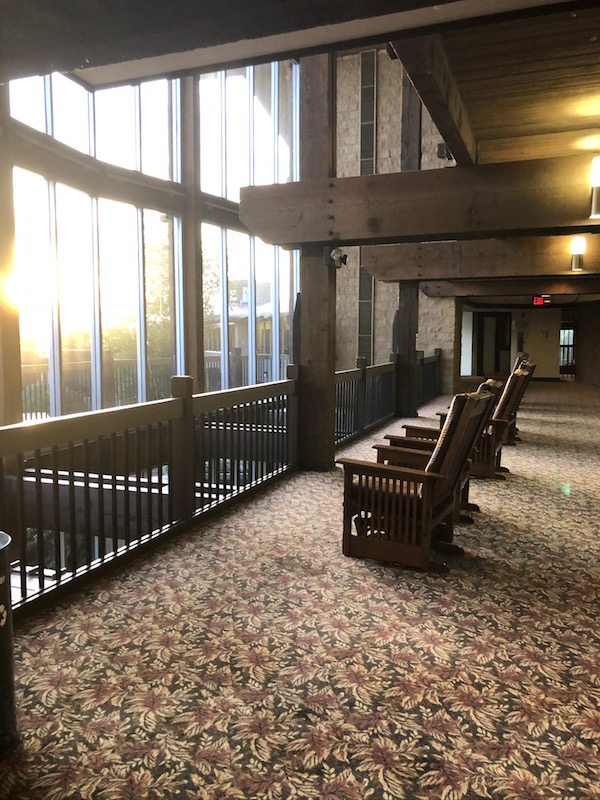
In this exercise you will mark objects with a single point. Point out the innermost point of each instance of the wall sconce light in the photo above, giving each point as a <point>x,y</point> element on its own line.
<point>595,182</point>
<point>577,251</point>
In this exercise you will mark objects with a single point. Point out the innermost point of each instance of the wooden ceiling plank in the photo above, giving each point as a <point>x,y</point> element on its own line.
<point>426,63</point>
<point>501,258</point>
<point>519,198</point>
<point>545,145</point>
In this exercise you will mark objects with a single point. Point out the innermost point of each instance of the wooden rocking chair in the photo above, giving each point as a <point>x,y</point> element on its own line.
<point>396,513</point>
<point>496,430</point>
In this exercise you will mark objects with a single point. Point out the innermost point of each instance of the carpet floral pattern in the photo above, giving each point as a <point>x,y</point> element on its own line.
<point>250,659</point>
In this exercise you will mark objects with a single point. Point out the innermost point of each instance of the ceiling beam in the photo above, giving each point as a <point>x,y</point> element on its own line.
<point>37,36</point>
<point>426,63</point>
<point>587,284</point>
<point>507,257</point>
<point>544,196</point>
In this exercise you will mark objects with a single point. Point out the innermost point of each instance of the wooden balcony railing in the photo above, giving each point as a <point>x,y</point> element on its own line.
<point>82,491</point>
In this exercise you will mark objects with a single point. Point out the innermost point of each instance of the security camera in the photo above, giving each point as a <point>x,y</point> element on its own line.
<point>334,258</point>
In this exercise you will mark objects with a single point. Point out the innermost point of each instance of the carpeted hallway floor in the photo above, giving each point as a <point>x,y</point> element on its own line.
<point>250,659</point>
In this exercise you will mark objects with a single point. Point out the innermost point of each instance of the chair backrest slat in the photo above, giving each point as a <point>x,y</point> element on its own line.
<point>459,435</point>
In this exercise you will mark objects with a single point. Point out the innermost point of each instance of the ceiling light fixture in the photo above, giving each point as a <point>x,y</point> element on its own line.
<point>595,182</point>
<point>577,251</point>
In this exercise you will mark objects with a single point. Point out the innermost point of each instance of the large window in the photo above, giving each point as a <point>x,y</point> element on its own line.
<point>128,126</point>
<point>254,345</point>
<point>101,320</point>
<point>248,128</point>
<point>248,135</point>
<point>97,315</point>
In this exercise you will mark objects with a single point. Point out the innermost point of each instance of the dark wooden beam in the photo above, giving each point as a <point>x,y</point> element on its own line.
<point>38,36</point>
<point>545,196</point>
<point>426,63</point>
<point>407,366</point>
<point>587,284</point>
<point>514,257</point>
<point>316,395</point>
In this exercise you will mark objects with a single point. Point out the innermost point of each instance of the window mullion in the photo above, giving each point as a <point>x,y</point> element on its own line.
<point>141,326</point>
<point>55,349</point>
<point>96,344</point>
<point>224,313</point>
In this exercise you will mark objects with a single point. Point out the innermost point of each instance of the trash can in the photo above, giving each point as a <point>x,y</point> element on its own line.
<point>8,716</point>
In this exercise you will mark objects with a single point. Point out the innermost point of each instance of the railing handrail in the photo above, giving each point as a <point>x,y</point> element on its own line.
<point>211,401</point>
<point>381,369</point>
<point>39,434</point>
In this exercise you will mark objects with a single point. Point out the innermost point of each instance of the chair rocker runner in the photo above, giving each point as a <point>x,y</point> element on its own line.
<point>399,514</point>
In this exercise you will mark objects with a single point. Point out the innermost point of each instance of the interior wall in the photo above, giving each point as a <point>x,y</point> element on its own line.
<point>587,344</point>
<point>540,330</point>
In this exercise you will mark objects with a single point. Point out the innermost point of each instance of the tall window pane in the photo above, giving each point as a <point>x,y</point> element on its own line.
<point>70,113</point>
<point>27,102</point>
<point>119,301</point>
<point>264,150</point>
<point>74,257</point>
<point>238,287</point>
<point>238,133</point>
<point>211,149</point>
<point>116,137</point>
<point>35,275</point>
<point>160,318</point>
<point>156,139</point>
<point>285,139</point>
<point>264,266</point>
<point>212,289</point>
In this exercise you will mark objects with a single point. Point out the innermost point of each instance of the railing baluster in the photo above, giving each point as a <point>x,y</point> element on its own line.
<point>39,518</point>
<point>87,525</point>
<point>58,561</point>
<point>126,489</point>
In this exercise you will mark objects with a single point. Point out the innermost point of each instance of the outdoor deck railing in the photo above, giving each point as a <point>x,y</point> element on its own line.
<point>80,491</point>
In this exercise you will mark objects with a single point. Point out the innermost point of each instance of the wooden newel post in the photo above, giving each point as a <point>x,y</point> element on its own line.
<point>183,451</point>
<point>293,372</point>
<point>361,404</point>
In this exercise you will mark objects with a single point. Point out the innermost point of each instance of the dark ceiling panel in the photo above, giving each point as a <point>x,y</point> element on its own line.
<point>46,35</point>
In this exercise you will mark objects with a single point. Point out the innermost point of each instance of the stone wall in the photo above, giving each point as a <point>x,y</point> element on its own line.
<point>389,113</point>
<point>437,318</point>
<point>348,116</point>
<point>439,326</point>
<point>389,107</point>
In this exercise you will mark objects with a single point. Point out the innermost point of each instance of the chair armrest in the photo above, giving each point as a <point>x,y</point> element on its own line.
<point>356,466</point>
<point>421,432</point>
<point>402,456</point>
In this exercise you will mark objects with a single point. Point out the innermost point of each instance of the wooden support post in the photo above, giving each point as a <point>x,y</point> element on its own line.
<point>406,365</point>
<point>183,452</point>
<point>316,410</point>
<point>11,407</point>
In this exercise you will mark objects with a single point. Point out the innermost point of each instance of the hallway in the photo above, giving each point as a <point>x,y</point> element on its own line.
<point>250,659</point>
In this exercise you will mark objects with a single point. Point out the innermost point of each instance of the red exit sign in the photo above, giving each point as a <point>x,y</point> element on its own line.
<point>541,299</point>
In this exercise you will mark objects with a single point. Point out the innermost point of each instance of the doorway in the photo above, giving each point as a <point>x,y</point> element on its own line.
<point>492,341</point>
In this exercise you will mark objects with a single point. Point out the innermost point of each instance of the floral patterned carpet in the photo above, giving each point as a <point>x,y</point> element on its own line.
<point>250,659</point>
